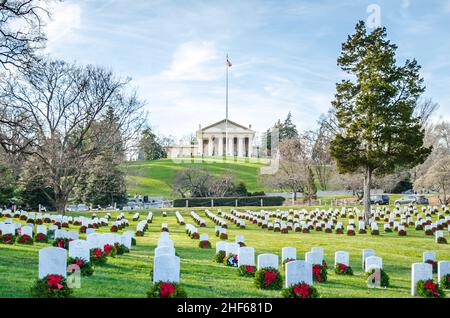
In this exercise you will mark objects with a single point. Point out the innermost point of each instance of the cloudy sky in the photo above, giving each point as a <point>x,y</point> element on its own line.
<point>283,53</point>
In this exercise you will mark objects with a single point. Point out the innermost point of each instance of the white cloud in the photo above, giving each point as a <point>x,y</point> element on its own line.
<point>194,61</point>
<point>65,20</point>
<point>406,4</point>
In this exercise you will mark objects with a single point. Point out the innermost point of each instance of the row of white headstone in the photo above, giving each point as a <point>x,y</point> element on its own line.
<point>166,265</point>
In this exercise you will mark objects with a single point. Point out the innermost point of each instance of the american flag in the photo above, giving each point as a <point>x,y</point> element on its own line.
<point>228,63</point>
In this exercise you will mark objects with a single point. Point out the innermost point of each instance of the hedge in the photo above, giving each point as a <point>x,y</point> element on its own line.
<point>229,201</point>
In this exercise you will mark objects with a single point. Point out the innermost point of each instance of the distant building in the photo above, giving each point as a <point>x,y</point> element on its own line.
<point>211,141</point>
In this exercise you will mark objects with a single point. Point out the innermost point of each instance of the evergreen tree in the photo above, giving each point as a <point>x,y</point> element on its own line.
<point>378,130</point>
<point>149,146</point>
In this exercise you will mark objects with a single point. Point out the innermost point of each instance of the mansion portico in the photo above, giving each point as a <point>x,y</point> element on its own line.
<point>212,139</point>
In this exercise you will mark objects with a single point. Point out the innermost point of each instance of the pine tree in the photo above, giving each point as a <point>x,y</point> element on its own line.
<point>150,147</point>
<point>375,109</point>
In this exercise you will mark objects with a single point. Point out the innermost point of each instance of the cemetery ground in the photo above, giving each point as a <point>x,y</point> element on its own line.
<point>128,275</point>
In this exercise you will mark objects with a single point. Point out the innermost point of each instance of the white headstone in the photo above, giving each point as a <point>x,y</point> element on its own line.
<point>90,231</point>
<point>443,269</point>
<point>373,262</point>
<point>27,230</point>
<point>267,260</point>
<point>52,260</point>
<point>429,256</point>
<point>94,240</point>
<point>232,248</point>
<point>365,254</point>
<point>165,250</point>
<point>342,257</point>
<point>203,237</point>
<point>73,235</point>
<point>240,239</point>
<point>165,243</point>
<point>314,258</point>
<point>297,272</point>
<point>166,268</point>
<point>79,248</point>
<point>420,271</point>
<point>221,246</point>
<point>288,253</point>
<point>246,256</point>
<point>41,229</point>
<point>126,240</point>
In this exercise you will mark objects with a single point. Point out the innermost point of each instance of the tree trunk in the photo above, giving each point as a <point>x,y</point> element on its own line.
<point>60,203</point>
<point>367,183</point>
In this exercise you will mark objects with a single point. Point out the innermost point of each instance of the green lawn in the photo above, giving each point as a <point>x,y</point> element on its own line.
<point>129,275</point>
<point>155,177</point>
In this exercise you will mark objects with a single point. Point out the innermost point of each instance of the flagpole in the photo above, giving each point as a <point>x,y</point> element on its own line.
<point>226,109</point>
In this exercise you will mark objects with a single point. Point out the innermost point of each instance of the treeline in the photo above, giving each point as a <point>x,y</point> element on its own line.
<point>65,128</point>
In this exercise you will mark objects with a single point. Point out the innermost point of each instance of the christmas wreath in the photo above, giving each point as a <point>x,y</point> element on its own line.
<point>114,228</point>
<point>219,256</point>
<point>7,239</point>
<point>429,289</point>
<point>445,281</point>
<point>223,236</point>
<point>339,231</point>
<point>85,267</point>
<point>441,240</point>
<point>61,242</point>
<point>231,260</point>
<point>133,241</point>
<point>300,290</point>
<point>164,229</point>
<point>268,278</point>
<point>121,249</point>
<point>246,270</point>
<point>384,277</point>
<point>204,244</point>
<point>195,236</point>
<point>166,290</point>
<point>139,233</point>
<point>342,269</point>
<point>375,232</point>
<point>110,250</point>
<point>51,286</point>
<point>24,239</point>
<point>83,229</point>
<point>350,232</point>
<point>362,231</point>
<point>319,273</point>
<point>402,233</point>
<point>98,257</point>
<point>41,238</point>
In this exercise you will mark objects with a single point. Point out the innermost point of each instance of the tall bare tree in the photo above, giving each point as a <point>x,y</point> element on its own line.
<point>55,113</point>
<point>21,32</point>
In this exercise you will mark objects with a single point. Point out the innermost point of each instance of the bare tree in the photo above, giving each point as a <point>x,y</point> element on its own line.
<point>294,168</point>
<point>21,34</point>
<point>437,178</point>
<point>57,110</point>
<point>192,181</point>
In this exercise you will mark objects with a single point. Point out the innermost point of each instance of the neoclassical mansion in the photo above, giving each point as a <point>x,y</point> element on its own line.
<point>211,141</point>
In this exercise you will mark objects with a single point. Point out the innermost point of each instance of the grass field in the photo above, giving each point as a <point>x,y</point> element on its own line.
<point>129,275</point>
<point>155,178</point>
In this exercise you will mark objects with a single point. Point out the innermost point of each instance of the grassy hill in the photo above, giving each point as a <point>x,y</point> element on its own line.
<point>155,178</point>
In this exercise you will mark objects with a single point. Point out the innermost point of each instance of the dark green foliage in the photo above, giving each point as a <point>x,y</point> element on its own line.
<point>378,130</point>
<point>149,146</point>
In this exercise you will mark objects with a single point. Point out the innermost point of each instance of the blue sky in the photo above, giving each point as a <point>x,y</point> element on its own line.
<point>283,53</point>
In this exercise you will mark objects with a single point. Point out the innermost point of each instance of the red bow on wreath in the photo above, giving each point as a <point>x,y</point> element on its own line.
<point>166,290</point>
<point>269,277</point>
<point>54,281</point>
<point>302,290</point>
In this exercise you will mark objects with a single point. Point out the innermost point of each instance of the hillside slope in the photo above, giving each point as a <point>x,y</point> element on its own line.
<point>154,178</point>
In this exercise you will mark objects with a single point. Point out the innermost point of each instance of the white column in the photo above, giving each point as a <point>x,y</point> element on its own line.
<point>210,146</point>
<point>230,145</point>
<point>200,146</point>
<point>220,145</point>
<point>240,147</point>
<point>250,146</point>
